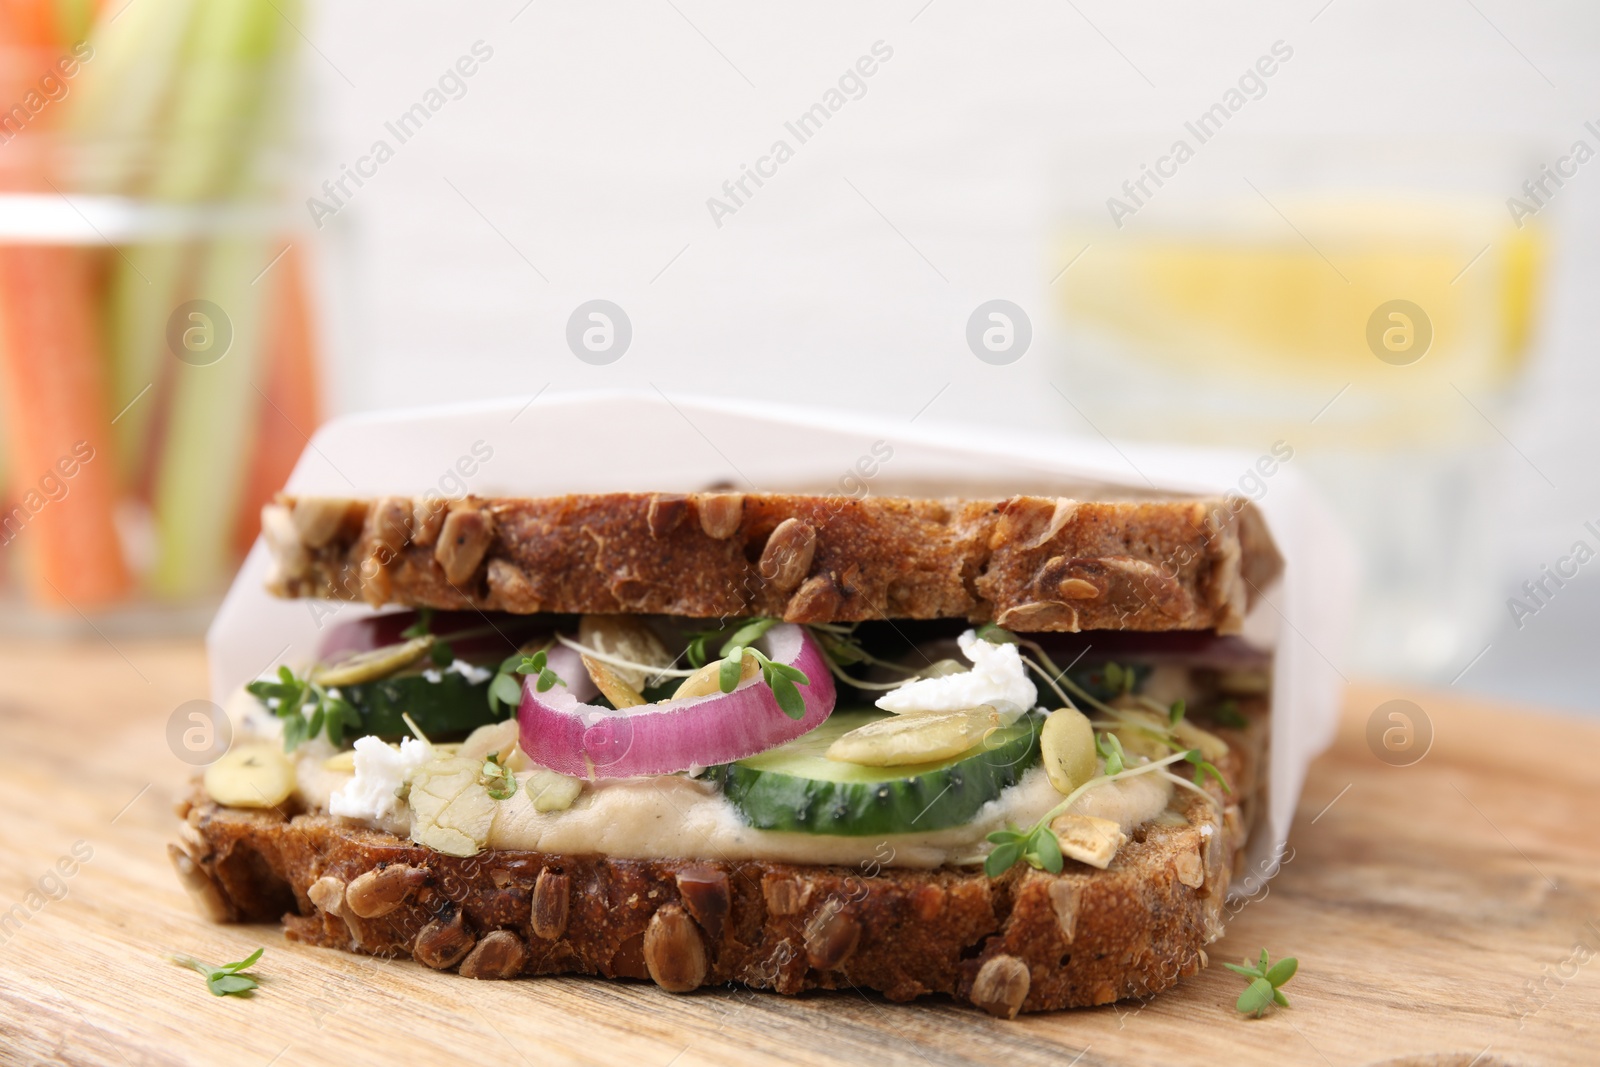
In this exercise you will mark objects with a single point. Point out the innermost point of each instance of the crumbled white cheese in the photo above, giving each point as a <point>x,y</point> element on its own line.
<point>382,771</point>
<point>474,674</point>
<point>998,676</point>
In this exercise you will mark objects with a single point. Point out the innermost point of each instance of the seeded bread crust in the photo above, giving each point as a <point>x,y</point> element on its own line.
<point>1028,941</point>
<point>1029,563</point>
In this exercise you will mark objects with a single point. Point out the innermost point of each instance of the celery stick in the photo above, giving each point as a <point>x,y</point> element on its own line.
<point>139,298</point>
<point>234,79</point>
<point>122,92</point>
<point>211,425</point>
<point>230,62</point>
<point>228,66</point>
<point>112,122</point>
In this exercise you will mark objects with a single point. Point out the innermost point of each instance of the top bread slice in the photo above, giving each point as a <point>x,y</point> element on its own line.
<point>1029,563</point>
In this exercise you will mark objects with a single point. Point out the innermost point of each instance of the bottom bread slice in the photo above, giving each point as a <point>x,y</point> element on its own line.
<point>1027,941</point>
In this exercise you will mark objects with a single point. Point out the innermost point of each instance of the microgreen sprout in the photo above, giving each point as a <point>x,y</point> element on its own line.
<point>1109,746</point>
<point>778,677</point>
<point>538,665</point>
<point>1029,845</point>
<point>1119,678</point>
<point>497,779</point>
<point>1038,846</point>
<point>742,633</point>
<point>842,648</point>
<point>1106,744</point>
<point>290,694</point>
<point>1228,714</point>
<point>505,690</point>
<point>225,980</point>
<point>506,687</point>
<point>1266,982</point>
<point>751,631</point>
<point>1202,769</point>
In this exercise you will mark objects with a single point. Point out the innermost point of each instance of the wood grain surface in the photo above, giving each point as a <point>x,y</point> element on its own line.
<point>1446,912</point>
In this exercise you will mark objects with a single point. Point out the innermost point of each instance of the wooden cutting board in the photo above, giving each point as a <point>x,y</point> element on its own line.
<point>1424,903</point>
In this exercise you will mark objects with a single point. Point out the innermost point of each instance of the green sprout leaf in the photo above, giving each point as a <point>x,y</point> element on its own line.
<point>1282,971</point>
<point>1202,770</point>
<point>1110,748</point>
<point>789,700</point>
<point>497,779</point>
<point>1227,713</point>
<point>223,984</point>
<point>748,634</point>
<point>247,962</point>
<point>735,634</point>
<point>306,708</point>
<point>339,714</point>
<point>545,679</point>
<point>997,635</point>
<point>1256,998</point>
<point>1120,679</point>
<point>696,652</point>
<point>778,677</point>
<point>783,670</point>
<point>1266,982</point>
<point>1001,859</point>
<point>1175,713</point>
<point>504,690</point>
<point>1008,848</point>
<point>1044,849</point>
<point>782,679</point>
<point>1038,847</point>
<point>844,649</point>
<point>732,667</point>
<point>442,654</point>
<point>224,980</point>
<point>1113,675</point>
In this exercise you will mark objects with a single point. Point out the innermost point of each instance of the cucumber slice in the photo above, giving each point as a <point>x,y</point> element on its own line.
<point>796,787</point>
<point>453,706</point>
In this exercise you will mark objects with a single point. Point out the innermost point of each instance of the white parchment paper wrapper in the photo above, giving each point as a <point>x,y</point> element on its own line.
<point>650,441</point>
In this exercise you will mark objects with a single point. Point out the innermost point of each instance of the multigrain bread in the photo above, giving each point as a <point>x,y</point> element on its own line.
<point>1027,941</point>
<point>1030,563</point>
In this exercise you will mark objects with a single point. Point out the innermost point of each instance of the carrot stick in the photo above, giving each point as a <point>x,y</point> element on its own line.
<point>290,407</point>
<point>54,386</point>
<point>54,376</point>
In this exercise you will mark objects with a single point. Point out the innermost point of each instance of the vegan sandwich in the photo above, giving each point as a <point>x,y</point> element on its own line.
<point>1008,750</point>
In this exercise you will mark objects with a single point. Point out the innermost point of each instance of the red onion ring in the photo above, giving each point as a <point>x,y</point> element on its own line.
<point>585,740</point>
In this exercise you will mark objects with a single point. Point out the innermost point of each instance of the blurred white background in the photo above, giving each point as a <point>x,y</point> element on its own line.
<point>577,161</point>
